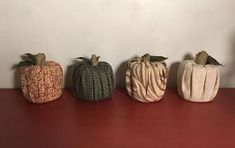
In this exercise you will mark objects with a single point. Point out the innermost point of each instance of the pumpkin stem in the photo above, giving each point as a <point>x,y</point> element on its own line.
<point>201,58</point>
<point>146,57</point>
<point>94,60</point>
<point>41,59</point>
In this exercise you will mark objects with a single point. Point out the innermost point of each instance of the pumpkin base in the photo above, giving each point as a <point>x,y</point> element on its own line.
<point>152,100</point>
<point>93,99</point>
<point>43,100</point>
<point>198,100</point>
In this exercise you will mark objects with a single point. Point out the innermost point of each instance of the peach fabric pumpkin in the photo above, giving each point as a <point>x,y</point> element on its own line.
<point>146,78</point>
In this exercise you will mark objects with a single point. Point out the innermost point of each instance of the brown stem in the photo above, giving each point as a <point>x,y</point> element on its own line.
<point>41,59</point>
<point>94,60</point>
<point>146,57</point>
<point>201,58</point>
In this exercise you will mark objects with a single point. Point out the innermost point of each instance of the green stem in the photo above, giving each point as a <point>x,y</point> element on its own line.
<point>201,58</point>
<point>94,60</point>
<point>41,59</point>
<point>146,57</point>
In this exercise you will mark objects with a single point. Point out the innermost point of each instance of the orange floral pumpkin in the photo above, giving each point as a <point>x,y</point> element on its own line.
<point>41,80</point>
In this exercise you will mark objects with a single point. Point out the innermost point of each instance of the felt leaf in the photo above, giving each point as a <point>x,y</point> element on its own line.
<point>31,58</point>
<point>157,58</point>
<point>25,63</point>
<point>83,59</point>
<point>211,60</point>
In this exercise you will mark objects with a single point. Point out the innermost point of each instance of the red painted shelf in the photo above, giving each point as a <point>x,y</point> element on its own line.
<point>119,122</point>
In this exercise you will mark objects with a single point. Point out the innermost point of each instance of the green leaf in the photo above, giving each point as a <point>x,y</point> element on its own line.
<point>84,59</point>
<point>212,61</point>
<point>31,58</point>
<point>157,58</point>
<point>25,63</point>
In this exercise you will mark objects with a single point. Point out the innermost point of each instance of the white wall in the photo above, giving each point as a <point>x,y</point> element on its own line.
<point>116,30</point>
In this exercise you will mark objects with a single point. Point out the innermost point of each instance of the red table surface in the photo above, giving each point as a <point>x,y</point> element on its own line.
<point>117,123</point>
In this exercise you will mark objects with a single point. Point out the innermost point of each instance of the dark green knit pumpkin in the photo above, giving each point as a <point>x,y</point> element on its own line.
<point>92,80</point>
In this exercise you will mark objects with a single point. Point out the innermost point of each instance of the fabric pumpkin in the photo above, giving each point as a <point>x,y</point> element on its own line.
<point>93,80</point>
<point>41,80</point>
<point>146,78</point>
<point>199,80</point>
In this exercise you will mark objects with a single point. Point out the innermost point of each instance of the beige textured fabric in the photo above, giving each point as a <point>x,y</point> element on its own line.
<point>146,81</point>
<point>42,84</point>
<point>198,83</point>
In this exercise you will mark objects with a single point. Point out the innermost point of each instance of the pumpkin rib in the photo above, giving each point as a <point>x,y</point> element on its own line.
<point>48,76</point>
<point>111,82</point>
<point>30,86</point>
<point>138,72</point>
<point>158,69</point>
<point>77,67</point>
<point>134,71</point>
<point>157,87</point>
<point>164,72</point>
<point>216,86</point>
<point>101,82</point>
<point>53,76</point>
<point>164,75</point>
<point>39,83</point>
<point>24,82</point>
<point>153,81</point>
<point>161,75</point>
<point>58,79</point>
<point>142,72</point>
<point>83,86</point>
<point>149,95</point>
<point>210,82</point>
<point>128,82</point>
<point>44,80</point>
<point>151,89</point>
<point>95,81</point>
<point>105,77</point>
<point>147,67</point>
<point>180,76</point>
<point>155,78</point>
<point>137,89</point>
<point>42,86</point>
<point>104,80</point>
<point>93,85</point>
<point>75,79</point>
<point>110,78</point>
<point>198,80</point>
<point>188,84</point>
<point>204,84</point>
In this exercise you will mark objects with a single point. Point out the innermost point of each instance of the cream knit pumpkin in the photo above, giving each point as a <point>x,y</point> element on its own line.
<point>198,83</point>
